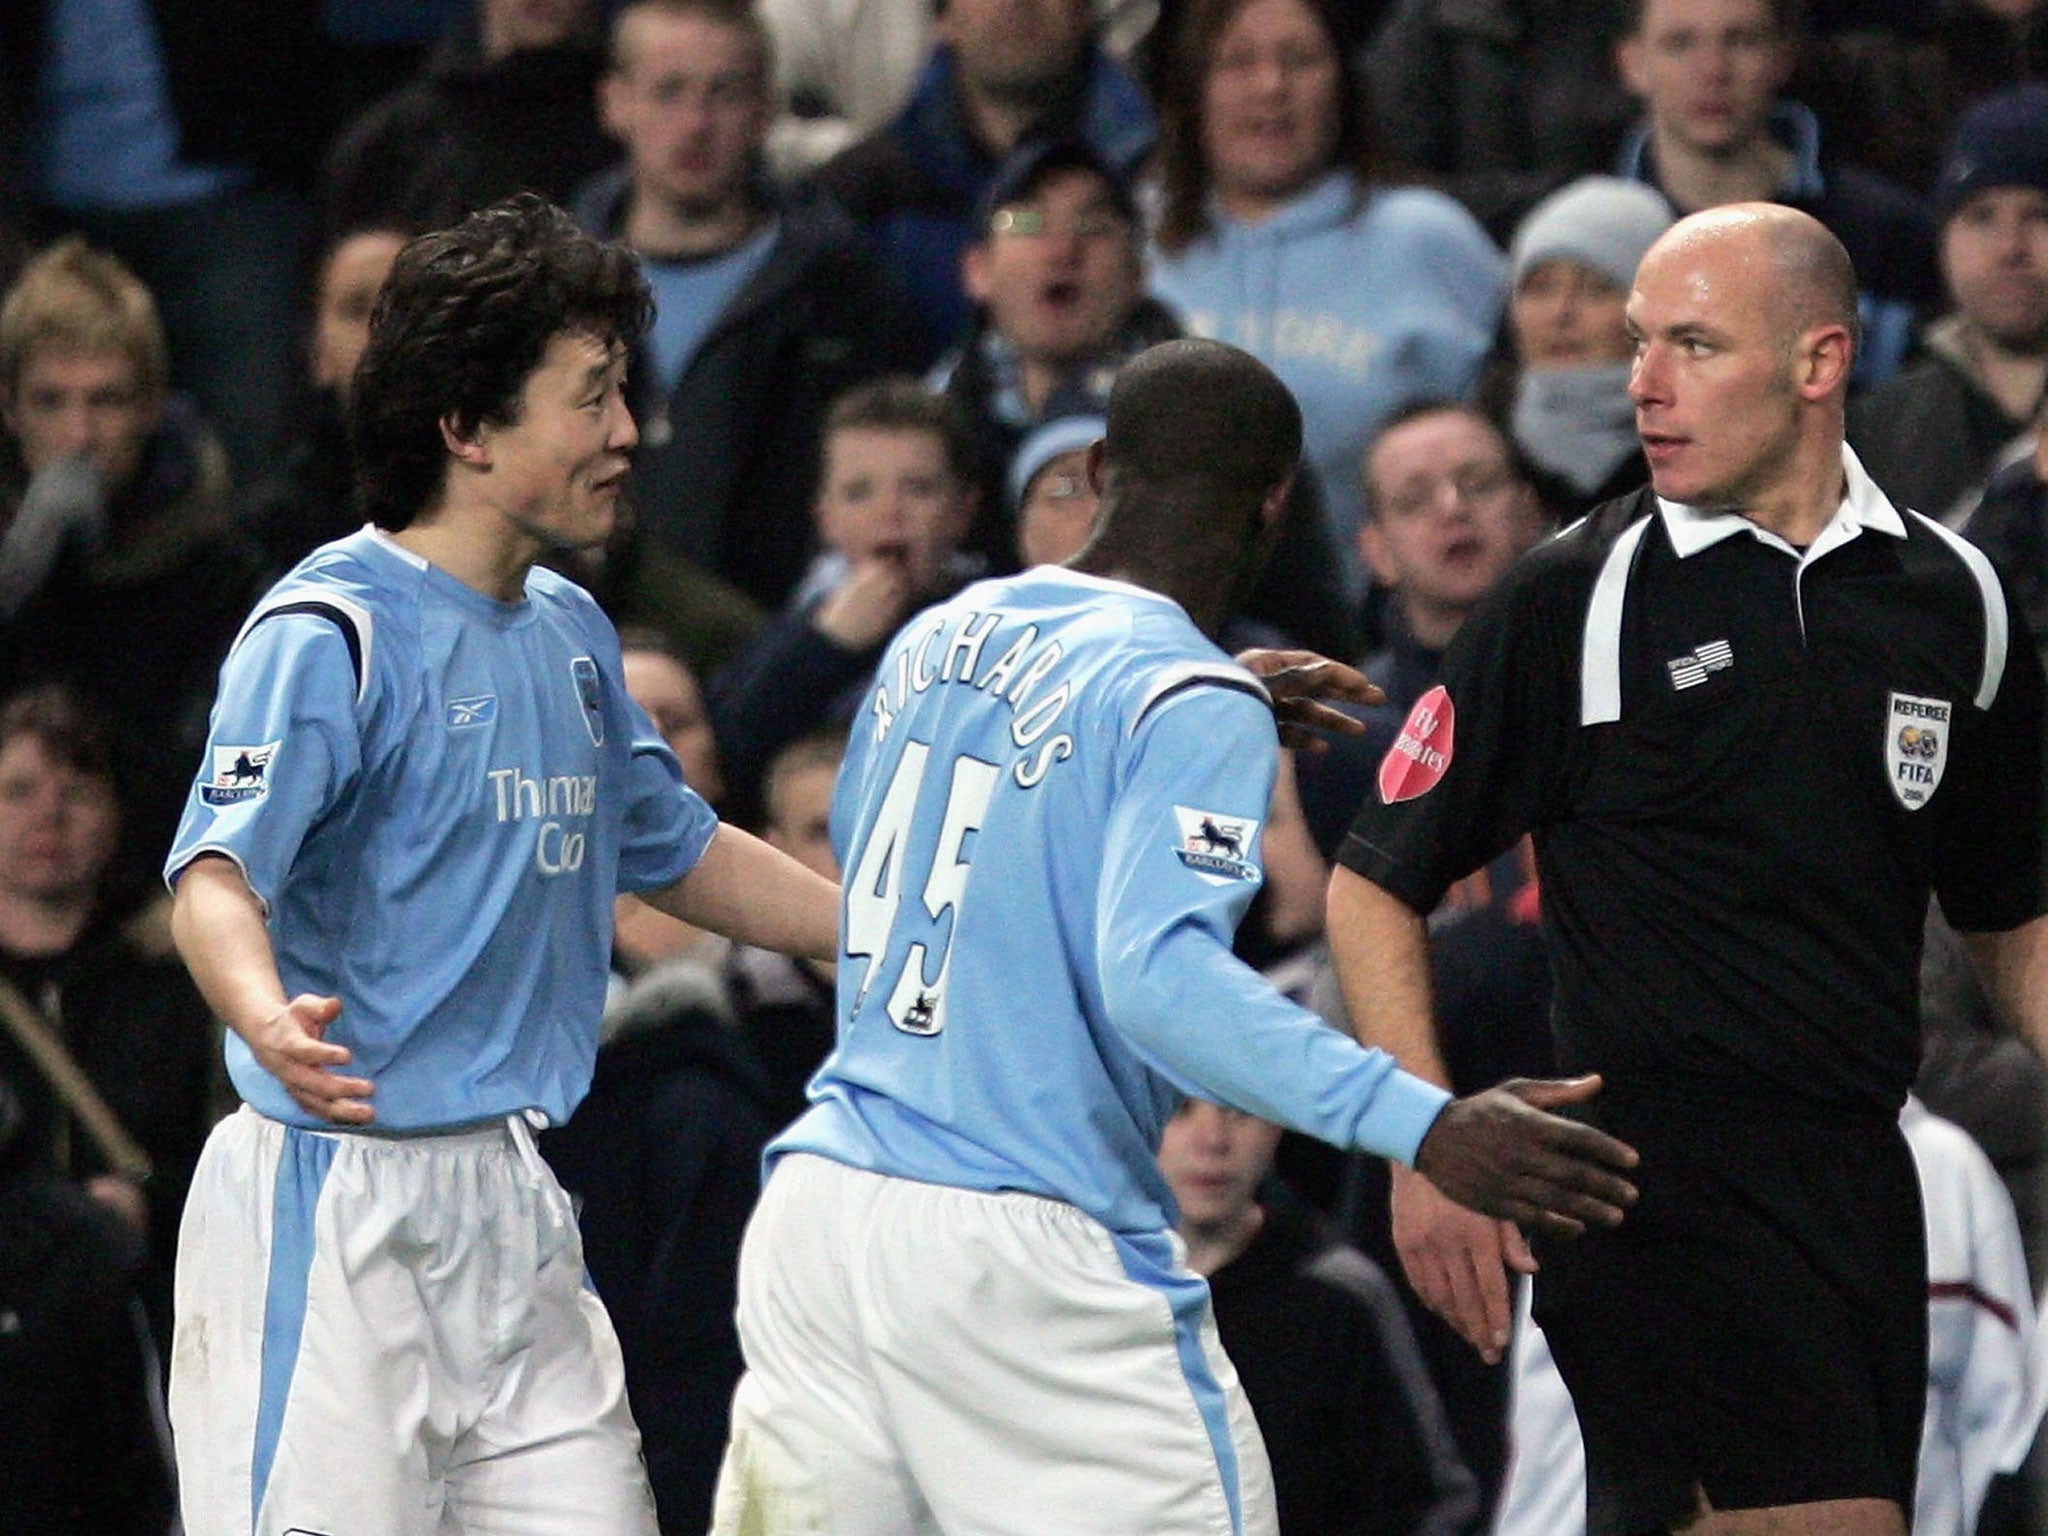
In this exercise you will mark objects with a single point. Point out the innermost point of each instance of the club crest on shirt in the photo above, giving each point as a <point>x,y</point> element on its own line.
<point>1216,846</point>
<point>591,692</point>
<point>1915,747</point>
<point>239,773</point>
<point>1421,753</point>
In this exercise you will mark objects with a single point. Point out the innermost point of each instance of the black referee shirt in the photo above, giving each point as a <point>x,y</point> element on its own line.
<point>1744,771</point>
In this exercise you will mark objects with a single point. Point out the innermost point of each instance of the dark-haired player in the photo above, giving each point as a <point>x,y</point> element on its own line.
<point>424,785</point>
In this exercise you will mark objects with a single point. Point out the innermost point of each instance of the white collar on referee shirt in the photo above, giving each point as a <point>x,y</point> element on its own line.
<point>1863,506</point>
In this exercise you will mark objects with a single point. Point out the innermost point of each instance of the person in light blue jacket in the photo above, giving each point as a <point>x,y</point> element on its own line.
<point>1276,232</point>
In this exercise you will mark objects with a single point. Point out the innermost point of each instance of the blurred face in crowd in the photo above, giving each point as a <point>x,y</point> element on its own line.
<point>800,816</point>
<point>1447,516</point>
<point>1708,70</point>
<point>1058,270</point>
<point>1058,511</point>
<point>1269,104</point>
<point>1015,49</point>
<point>511,26</point>
<point>355,270</point>
<point>1566,315</point>
<point>889,494</point>
<point>91,405</point>
<point>1994,253</point>
<point>57,824</point>
<point>690,100</point>
<point>1214,1158</point>
<point>667,690</point>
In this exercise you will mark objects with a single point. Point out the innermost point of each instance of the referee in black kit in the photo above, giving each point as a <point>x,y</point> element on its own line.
<point>1753,720</point>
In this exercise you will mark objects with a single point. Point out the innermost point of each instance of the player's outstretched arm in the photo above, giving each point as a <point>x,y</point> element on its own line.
<point>1299,683</point>
<point>1502,1152</point>
<point>218,925</point>
<point>756,894</point>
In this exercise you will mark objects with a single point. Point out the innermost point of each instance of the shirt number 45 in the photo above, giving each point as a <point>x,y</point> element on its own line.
<point>874,897</point>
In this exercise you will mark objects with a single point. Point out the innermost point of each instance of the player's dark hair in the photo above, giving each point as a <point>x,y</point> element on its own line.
<point>899,403</point>
<point>464,320</point>
<point>1201,420</point>
<point>1200,436</point>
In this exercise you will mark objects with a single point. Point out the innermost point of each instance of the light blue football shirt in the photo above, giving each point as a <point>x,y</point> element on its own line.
<point>437,796</point>
<point>1049,823</point>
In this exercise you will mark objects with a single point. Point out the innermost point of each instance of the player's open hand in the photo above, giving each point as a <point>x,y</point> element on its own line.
<point>291,1046</point>
<point>1300,682</point>
<point>1501,1152</point>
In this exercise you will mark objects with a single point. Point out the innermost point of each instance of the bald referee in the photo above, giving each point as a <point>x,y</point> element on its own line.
<point>1753,716</point>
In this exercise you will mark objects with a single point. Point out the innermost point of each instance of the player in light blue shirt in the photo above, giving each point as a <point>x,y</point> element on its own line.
<point>960,1302</point>
<point>424,785</point>
<point>386,735</point>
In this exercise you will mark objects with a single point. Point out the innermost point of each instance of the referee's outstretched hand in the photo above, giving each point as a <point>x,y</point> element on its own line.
<point>1502,1154</point>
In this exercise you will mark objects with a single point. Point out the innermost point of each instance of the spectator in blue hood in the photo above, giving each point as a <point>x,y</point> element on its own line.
<point>1278,233</point>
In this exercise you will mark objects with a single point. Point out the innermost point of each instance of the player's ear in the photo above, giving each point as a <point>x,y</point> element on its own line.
<point>466,441</point>
<point>1274,506</point>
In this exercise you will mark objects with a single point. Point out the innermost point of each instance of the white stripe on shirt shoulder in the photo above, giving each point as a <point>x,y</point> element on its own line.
<point>1182,675</point>
<point>1997,631</point>
<point>344,610</point>
<point>1600,650</point>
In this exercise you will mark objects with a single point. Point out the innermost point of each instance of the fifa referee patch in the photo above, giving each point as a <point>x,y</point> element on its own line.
<point>1421,753</point>
<point>1916,747</point>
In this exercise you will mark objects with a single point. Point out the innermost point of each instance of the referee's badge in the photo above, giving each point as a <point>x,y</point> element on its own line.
<point>1915,747</point>
<point>1421,753</point>
<point>590,693</point>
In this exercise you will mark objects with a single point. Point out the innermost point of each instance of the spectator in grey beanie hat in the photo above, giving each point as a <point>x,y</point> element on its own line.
<point>1570,267</point>
<point>1602,222</point>
<point>2000,142</point>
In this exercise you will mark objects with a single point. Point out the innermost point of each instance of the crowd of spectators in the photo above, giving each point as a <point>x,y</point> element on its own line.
<point>899,250</point>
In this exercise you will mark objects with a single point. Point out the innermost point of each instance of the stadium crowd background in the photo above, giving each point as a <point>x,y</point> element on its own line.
<point>898,258</point>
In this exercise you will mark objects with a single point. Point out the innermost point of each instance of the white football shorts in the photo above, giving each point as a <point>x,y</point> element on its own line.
<point>922,1358</point>
<point>391,1336</point>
